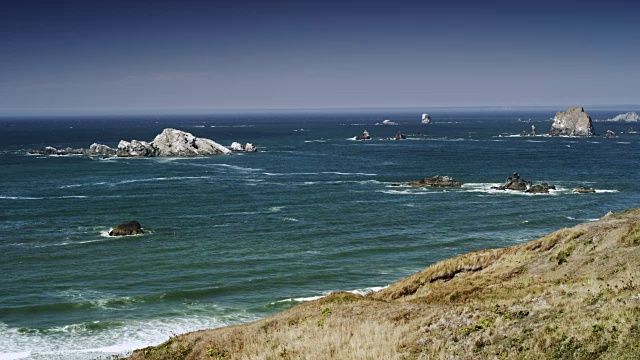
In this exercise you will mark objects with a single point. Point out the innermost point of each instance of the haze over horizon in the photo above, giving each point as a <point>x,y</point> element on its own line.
<point>87,56</point>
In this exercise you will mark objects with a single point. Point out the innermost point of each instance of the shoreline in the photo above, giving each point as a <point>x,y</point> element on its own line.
<point>572,293</point>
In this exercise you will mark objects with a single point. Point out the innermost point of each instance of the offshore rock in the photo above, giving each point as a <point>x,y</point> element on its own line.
<point>100,149</point>
<point>540,188</point>
<point>610,134</point>
<point>135,148</point>
<point>364,136</point>
<point>248,147</point>
<point>387,122</point>
<point>627,117</point>
<point>517,182</point>
<point>573,122</point>
<point>436,181</point>
<point>95,149</point>
<point>236,146</point>
<point>172,142</point>
<point>400,136</point>
<point>130,228</point>
<point>583,190</point>
<point>426,119</point>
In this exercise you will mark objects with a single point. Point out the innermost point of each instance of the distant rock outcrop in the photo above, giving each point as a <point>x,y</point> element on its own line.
<point>130,228</point>
<point>170,142</point>
<point>364,136</point>
<point>387,122</point>
<point>436,181</point>
<point>610,134</point>
<point>517,182</point>
<point>627,117</point>
<point>583,190</point>
<point>426,119</point>
<point>237,147</point>
<point>573,122</point>
<point>400,136</point>
<point>95,149</point>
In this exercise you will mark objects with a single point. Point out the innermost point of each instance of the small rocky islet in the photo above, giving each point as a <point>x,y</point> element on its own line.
<point>127,229</point>
<point>170,142</point>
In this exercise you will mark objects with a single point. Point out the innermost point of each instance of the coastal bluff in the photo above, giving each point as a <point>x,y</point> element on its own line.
<point>572,294</point>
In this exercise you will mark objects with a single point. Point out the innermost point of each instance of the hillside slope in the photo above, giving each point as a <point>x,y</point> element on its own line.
<point>573,294</point>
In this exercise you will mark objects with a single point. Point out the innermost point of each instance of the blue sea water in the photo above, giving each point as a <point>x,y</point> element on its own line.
<point>231,239</point>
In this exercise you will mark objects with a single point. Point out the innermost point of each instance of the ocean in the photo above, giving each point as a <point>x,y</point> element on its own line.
<point>234,238</point>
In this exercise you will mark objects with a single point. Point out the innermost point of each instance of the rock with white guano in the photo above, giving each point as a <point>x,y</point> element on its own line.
<point>573,122</point>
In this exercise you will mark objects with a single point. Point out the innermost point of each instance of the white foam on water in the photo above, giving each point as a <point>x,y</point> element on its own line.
<point>20,198</point>
<point>316,141</point>
<point>79,342</point>
<point>236,167</point>
<point>172,178</point>
<point>623,142</point>
<point>276,208</point>
<point>15,356</point>
<point>290,219</point>
<point>606,191</point>
<point>408,192</point>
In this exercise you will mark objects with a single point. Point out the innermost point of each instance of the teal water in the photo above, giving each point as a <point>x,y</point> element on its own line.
<point>231,239</point>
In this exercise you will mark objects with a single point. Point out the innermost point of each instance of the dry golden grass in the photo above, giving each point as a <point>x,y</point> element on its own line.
<point>573,294</point>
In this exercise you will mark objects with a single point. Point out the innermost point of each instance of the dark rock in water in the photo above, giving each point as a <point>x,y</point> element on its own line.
<point>573,122</point>
<point>364,136</point>
<point>540,188</point>
<point>609,134</point>
<point>436,181</point>
<point>631,131</point>
<point>583,190</point>
<point>400,136</point>
<point>516,182</point>
<point>130,228</point>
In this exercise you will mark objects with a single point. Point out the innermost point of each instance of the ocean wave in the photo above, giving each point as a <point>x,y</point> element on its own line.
<point>171,178</point>
<point>316,141</point>
<point>582,220</point>
<point>623,142</point>
<point>412,191</point>
<point>363,291</point>
<point>96,338</point>
<point>320,173</point>
<point>43,198</point>
<point>236,167</point>
<point>290,219</point>
<point>276,208</point>
<point>232,126</point>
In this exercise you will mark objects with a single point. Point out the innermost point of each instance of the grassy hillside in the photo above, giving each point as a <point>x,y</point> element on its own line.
<point>573,294</point>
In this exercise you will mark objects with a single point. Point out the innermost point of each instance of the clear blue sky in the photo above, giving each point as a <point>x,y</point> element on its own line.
<point>193,55</point>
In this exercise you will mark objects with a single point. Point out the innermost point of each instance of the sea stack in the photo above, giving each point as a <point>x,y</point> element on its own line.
<point>426,119</point>
<point>627,117</point>
<point>130,228</point>
<point>573,122</point>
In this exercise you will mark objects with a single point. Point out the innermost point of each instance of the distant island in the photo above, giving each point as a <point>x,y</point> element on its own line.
<point>573,294</point>
<point>170,142</point>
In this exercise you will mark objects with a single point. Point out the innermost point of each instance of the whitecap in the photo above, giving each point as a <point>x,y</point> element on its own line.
<point>236,167</point>
<point>408,192</point>
<point>606,191</point>
<point>14,355</point>
<point>276,208</point>
<point>623,142</point>
<point>290,219</point>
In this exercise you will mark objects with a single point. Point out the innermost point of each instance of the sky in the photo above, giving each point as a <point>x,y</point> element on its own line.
<point>91,56</point>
